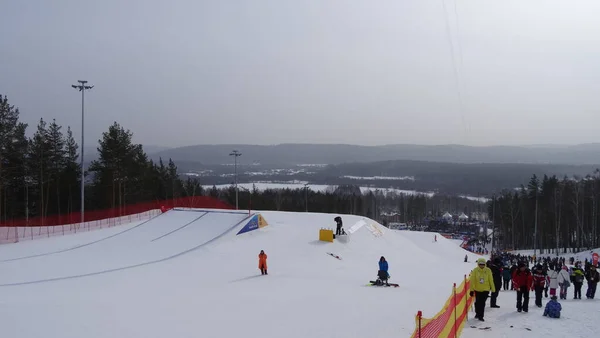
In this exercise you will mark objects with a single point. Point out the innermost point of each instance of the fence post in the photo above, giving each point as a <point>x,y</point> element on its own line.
<point>419,315</point>
<point>454,295</point>
<point>467,300</point>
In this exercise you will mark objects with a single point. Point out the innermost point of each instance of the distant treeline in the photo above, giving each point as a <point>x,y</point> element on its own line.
<point>446,178</point>
<point>347,199</point>
<point>566,212</point>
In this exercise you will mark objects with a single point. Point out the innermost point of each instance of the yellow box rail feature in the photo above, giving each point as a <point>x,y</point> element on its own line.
<point>326,235</point>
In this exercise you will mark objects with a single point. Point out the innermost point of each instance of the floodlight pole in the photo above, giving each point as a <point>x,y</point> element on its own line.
<point>306,196</point>
<point>82,87</point>
<point>235,155</point>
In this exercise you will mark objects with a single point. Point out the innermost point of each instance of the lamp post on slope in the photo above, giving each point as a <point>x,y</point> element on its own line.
<point>235,155</point>
<point>82,87</point>
<point>306,196</point>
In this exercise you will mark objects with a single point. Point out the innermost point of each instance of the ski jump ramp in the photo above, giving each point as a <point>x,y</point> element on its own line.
<point>164,237</point>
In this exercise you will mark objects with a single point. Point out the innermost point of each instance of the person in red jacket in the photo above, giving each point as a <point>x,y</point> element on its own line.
<point>539,284</point>
<point>262,262</point>
<point>523,282</point>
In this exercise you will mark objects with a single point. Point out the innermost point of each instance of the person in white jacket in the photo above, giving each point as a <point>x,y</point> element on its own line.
<point>564,281</point>
<point>552,279</point>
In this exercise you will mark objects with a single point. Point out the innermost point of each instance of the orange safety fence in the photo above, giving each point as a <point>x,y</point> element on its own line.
<point>450,320</point>
<point>15,230</point>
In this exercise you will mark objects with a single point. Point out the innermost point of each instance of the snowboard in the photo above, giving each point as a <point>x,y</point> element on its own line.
<point>372,283</point>
<point>334,255</point>
<point>481,328</point>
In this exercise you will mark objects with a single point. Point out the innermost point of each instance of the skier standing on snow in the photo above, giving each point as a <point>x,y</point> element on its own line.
<point>523,282</point>
<point>262,262</point>
<point>482,282</point>
<point>564,281</point>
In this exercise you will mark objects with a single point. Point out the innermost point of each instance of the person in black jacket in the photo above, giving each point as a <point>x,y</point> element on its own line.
<point>339,230</point>
<point>497,274</point>
<point>592,277</point>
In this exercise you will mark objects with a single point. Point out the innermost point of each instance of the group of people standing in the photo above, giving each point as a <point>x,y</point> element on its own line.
<point>489,277</point>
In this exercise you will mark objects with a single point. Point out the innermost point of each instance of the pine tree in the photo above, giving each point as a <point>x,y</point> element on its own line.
<point>117,159</point>
<point>13,152</point>
<point>70,178</point>
<point>123,174</point>
<point>56,164</point>
<point>39,163</point>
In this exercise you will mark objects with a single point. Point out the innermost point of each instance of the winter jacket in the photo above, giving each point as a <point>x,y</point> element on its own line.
<point>553,279</point>
<point>262,261</point>
<point>383,266</point>
<point>523,279</point>
<point>482,280</point>
<point>496,275</point>
<point>553,309</point>
<point>506,274</point>
<point>592,277</point>
<point>577,276</point>
<point>563,276</point>
<point>539,280</point>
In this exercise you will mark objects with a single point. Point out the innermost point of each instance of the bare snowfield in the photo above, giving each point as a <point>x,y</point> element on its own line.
<point>187,273</point>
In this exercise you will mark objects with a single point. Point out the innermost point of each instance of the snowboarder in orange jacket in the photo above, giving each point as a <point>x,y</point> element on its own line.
<point>262,262</point>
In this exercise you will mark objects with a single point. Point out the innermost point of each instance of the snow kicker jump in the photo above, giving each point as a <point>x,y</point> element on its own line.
<point>177,233</point>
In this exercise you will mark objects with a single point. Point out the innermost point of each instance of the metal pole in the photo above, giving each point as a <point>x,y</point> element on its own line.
<point>82,88</point>
<point>82,151</point>
<point>236,154</point>
<point>493,223</point>
<point>236,185</point>
<point>306,197</point>
<point>536,224</point>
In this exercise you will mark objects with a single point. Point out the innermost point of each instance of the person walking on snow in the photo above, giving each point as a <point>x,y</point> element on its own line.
<point>552,279</point>
<point>506,277</point>
<point>592,277</point>
<point>539,284</point>
<point>577,277</point>
<point>482,282</point>
<point>564,281</point>
<point>262,262</point>
<point>496,268</point>
<point>523,282</point>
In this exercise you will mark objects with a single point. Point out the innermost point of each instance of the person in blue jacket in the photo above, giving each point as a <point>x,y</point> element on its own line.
<point>383,270</point>
<point>553,308</point>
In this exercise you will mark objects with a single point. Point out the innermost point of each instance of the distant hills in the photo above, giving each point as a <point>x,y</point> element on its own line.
<point>91,153</point>
<point>475,179</point>
<point>290,154</point>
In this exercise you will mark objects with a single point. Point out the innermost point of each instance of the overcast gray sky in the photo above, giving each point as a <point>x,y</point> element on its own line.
<point>186,72</point>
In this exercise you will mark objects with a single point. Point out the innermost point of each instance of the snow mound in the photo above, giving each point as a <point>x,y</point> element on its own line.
<point>188,273</point>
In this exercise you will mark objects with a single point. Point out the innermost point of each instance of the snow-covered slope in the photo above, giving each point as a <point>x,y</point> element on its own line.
<point>187,274</point>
